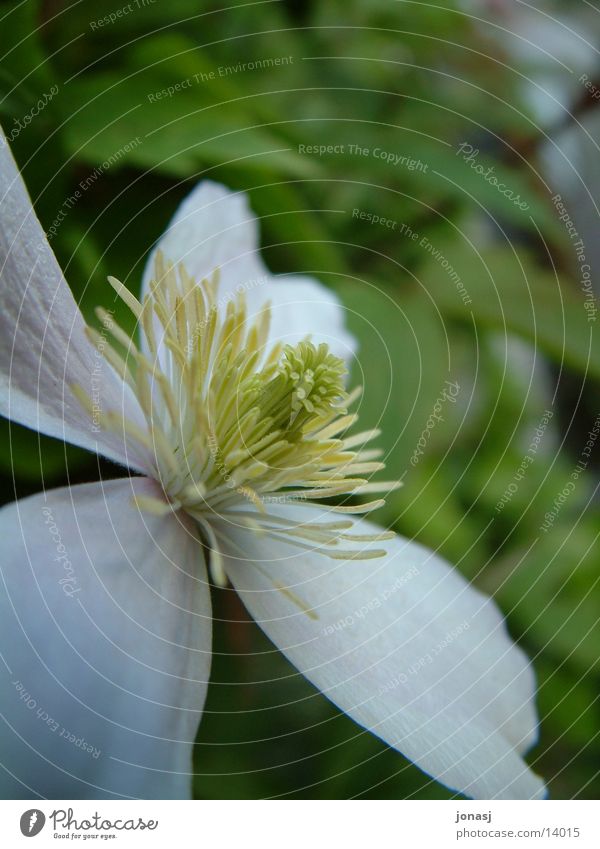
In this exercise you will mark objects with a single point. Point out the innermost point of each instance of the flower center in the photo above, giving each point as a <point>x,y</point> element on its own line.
<point>235,427</point>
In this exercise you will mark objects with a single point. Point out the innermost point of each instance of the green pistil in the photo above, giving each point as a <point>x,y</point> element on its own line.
<point>308,387</point>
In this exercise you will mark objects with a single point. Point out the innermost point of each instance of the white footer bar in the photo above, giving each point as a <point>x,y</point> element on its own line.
<point>301,824</point>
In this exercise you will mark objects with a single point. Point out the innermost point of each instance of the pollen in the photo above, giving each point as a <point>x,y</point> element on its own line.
<point>237,427</point>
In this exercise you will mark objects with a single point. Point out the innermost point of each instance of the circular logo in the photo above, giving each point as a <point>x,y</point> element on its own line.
<point>32,822</point>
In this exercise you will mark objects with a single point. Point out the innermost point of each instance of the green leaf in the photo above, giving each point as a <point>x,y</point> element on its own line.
<point>404,364</point>
<point>552,588</point>
<point>135,120</point>
<point>499,289</point>
<point>36,459</point>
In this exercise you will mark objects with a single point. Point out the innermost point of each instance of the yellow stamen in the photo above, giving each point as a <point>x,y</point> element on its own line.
<point>236,425</point>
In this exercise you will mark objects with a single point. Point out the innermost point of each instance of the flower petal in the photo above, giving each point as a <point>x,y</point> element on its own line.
<point>215,228</point>
<point>43,347</point>
<point>404,646</point>
<point>105,628</point>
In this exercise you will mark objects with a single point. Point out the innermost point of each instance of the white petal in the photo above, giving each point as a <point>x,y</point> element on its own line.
<point>404,646</point>
<point>301,307</point>
<point>43,346</point>
<point>212,228</point>
<point>215,228</point>
<point>105,628</point>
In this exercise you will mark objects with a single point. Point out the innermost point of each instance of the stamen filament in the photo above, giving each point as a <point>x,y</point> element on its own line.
<point>234,424</point>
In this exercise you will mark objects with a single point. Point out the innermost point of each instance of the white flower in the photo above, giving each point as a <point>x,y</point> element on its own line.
<point>105,614</point>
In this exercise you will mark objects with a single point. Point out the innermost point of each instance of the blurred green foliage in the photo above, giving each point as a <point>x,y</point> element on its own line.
<point>413,80</point>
